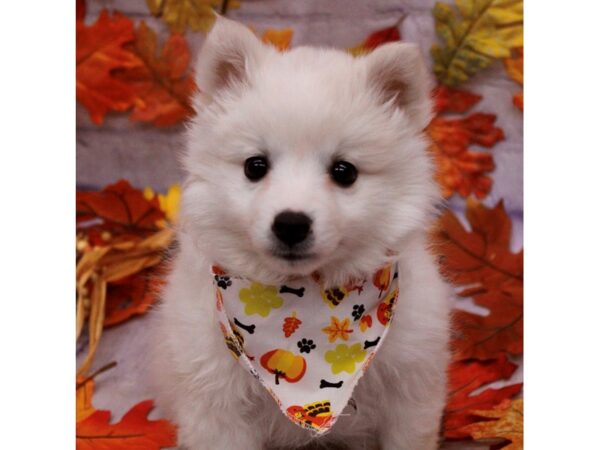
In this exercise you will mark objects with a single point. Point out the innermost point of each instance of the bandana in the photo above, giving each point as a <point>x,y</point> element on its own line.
<point>308,346</point>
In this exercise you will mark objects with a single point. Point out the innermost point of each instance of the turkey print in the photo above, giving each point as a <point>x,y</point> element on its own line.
<point>308,346</point>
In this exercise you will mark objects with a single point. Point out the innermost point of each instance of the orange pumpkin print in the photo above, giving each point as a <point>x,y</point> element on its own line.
<point>284,364</point>
<point>382,278</point>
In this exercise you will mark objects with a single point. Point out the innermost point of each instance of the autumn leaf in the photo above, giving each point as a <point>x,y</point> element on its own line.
<point>133,431</point>
<point>120,208</point>
<point>290,324</point>
<point>481,262</point>
<point>161,85</point>
<point>508,426</point>
<point>131,296</point>
<point>474,33</point>
<point>169,202</point>
<point>466,377</point>
<point>197,15</point>
<point>514,69</point>
<point>80,9</point>
<point>278,38</point>
<point>376,39</point>
<point>100,50</point>
<point>459,169</point>
<point>447,99</point>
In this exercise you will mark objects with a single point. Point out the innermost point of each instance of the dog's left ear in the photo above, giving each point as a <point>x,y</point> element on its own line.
<point>397,71</point>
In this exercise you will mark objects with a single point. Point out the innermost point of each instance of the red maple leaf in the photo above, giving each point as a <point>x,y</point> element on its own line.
<point>464,378</point>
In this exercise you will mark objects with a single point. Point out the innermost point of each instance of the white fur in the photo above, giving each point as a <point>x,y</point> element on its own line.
<point>304,109</point>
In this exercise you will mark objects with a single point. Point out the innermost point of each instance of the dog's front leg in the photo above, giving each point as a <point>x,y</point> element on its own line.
<point>217,418</point>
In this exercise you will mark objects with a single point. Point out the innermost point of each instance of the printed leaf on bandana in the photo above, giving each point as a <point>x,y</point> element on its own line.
<point>473,34</point>
<point>514,69</point>
<point>508,426</point>
<point>161,83</point>
<point>197,15</point>
<point>291,324</point>
<point>460,169</point>
<point>100,49</point>
<point>133,431</point>
<point>480,259</point>
<point>466,377</point>
<point>338,329</point>
<point>375,39</point>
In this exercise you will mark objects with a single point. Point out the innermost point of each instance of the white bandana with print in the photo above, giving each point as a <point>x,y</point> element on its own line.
<point>307,346</point>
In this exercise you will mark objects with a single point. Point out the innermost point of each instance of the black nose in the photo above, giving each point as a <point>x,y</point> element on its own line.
<point>291,227</point>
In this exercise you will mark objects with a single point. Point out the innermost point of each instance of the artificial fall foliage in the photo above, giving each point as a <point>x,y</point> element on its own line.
<point>195,15</point>
<point>481,263</point>
<point>458,168</point>
<point>474,33</point>
<point>119,68</point>
<point>464,379</point>
<point>514,69</point>
<point>134,431</point>
<point>375,39</point>
<point>504,422</point>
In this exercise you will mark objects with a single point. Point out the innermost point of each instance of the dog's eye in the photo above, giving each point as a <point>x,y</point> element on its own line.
<point>256,167</point>
<point>343,173</point>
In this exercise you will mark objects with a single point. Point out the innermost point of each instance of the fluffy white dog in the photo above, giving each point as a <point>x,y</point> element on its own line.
<point>303,161</point>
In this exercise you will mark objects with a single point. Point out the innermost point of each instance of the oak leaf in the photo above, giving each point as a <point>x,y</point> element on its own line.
<point>480,261</point>
<point>459,169</point>
<point>133,431</point>
<point>514,69</point>
<point>161,84</point>
<point>197,15</point>
<point>474,33</point>
<point>466,377</point>
<point>100,49</point>
<point>508,426</point>
<point>375,39</point>
<point>119,208</point>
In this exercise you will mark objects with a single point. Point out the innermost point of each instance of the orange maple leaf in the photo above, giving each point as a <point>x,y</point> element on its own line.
<point>161,84</point>
<point>338,329</point>
<point>278,38</point>
<point>119,208</point>
<point>508,426</point>
<point>458,168</point>
<point>514,69</point>
<point>481,259</point>
<point>100,50</point>
<point>134,431</point>
<point>464,378</point>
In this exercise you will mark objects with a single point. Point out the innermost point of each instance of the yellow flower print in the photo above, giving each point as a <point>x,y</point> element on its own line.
<point>259,299</point>
<point>338,329</point>
<point>344,358</point>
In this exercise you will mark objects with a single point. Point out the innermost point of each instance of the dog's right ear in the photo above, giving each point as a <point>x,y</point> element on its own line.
<point>230,53</point>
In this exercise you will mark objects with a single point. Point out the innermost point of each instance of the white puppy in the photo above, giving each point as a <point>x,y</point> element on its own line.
<point>338,141</point>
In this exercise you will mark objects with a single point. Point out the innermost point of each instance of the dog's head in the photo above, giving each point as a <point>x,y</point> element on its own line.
<point>306,160</point>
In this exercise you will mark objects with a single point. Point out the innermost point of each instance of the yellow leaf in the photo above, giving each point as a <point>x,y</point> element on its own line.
<point>198,15</point>
<point>279,38</point>
<point>83,399</point>
<point>474,34</point>
<point>508,426</point>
